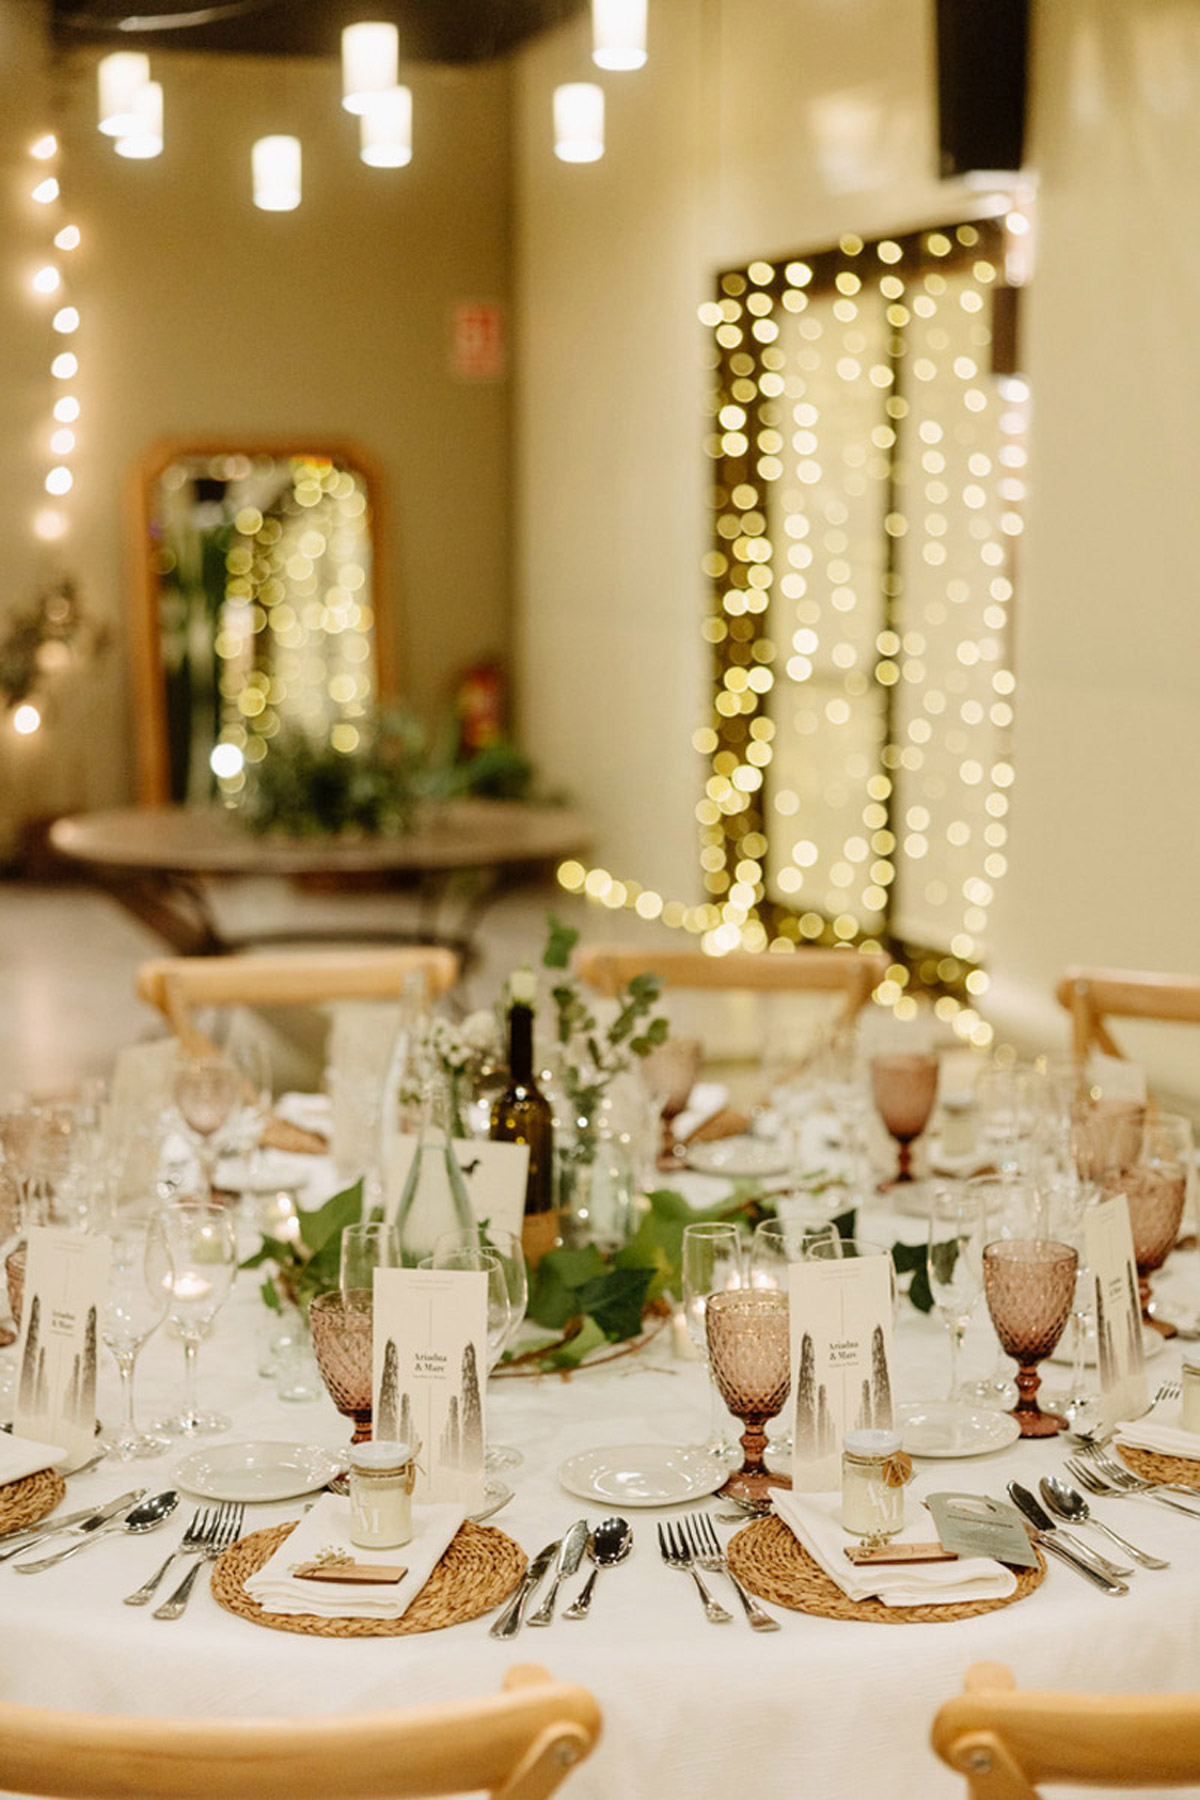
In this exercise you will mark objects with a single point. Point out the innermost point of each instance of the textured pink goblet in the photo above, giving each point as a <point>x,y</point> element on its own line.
<point>1030,1288</point>
<point>904,1088</point>
<point>343,1334</point>
<point>750,1357</point>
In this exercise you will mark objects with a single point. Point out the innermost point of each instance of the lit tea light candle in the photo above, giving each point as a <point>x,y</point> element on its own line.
<point>191,1286</point>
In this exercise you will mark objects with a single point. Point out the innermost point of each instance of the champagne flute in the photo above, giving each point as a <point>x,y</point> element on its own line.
<point>135,1305</point>
<point>206,1089</point>
<point>201,1250</point>
<point>365,1247</point>
<point>954,1260</point>
<point>711,1263</point>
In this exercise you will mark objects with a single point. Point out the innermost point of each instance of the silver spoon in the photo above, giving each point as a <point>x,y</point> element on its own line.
<point>1070,1504</point>
<point>608,1545</point>
<point>144,1517</point>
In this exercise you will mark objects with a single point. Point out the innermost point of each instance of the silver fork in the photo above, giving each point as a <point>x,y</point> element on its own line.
<point>191,1544</point>
<point>677,1555</point>
<point>1103,1476</point>
<point>224,1530</point>
<point>706,1548</point>
<point>1169,1390</point>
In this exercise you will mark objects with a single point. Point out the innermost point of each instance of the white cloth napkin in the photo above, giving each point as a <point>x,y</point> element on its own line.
<point>21,1456</point>
<point>327,1527</point>
<point>265,1170</point>
<point>704,1102</point>
<point>310,1112</point>
<point>816,1521</point>
<point>1159,1430</point>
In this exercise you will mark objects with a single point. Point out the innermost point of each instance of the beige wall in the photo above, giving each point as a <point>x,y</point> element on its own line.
<point>204,316</point>
<point>759,129</point>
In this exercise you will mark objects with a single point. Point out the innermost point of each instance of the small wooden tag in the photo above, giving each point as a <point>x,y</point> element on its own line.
<point>900,1553</point>
<point>350,1571</point>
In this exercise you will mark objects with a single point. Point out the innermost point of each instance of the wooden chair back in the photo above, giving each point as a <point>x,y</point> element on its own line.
<point>178,984</point>
<point>1006,1743</point>
<point>1093,995</point>
<point>520,1744</point>
<point>853,973</point>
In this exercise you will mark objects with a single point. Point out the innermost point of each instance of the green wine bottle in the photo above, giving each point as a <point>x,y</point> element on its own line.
<point>521,1115</point>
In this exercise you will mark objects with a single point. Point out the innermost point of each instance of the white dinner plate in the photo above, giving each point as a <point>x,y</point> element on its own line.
<point>741,1158</point>
<point>258,1471</point>
<point>929,1430</point>
<point>642,1474</point>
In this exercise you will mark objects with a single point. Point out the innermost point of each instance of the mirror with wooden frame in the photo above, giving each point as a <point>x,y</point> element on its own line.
<point>258,607</point>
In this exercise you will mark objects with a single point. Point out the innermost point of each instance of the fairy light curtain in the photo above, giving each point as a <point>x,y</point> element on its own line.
<point>868,451</point>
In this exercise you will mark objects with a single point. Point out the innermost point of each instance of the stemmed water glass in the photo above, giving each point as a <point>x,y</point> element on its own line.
<point>135,1305</point>
<point>904,1088</point>
<point>1155,1188</point>
<point>200,1246</point>
<point>1030,1288</point>
<point>954,1261</point>
<point>475,1257</point>
<point>343,1335</point>
<point>749,1349</point>
<point>206,1089</point>
<point>365,1247</point>
<point>507,1246</point>
<point>711,1263</point>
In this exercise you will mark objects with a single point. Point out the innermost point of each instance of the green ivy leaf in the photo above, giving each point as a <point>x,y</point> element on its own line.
<point>568,1356</point>
<point>615,1301</point>
<point>554,1296</point>
<point>316,1228</point>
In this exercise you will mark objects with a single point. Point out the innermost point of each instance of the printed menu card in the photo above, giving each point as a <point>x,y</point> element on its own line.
<point>1117,1310</point>
<point>841,1347</point>
<point>66,1277</point>
<point>431,1376</point>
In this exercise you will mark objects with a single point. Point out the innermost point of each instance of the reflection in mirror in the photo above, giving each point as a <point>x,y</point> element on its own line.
<point>260,612</point>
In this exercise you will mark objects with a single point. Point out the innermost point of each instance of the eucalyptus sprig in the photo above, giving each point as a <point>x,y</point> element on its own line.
<point>592,1054</point>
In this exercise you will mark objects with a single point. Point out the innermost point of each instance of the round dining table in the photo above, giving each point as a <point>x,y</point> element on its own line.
<point>826,1707</point>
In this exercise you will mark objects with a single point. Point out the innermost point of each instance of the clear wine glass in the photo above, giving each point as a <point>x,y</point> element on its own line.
<point>201,1249</point>
<point>499,1321</point>
<point>711,1263</point>
<point>954,1261</point>
<point>507,1246</point>
<point>139,1285</point>
<point>206,1089</point>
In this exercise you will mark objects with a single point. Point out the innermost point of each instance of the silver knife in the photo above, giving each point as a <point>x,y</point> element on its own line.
<point>509,1622</point>
<point>1062,1545</point>
<point>570,1555</point>
<point>81,1522</point>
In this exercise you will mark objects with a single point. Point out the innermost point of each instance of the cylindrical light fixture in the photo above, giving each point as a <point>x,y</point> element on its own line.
<point>619,33</point>
<point>370,63</point>
<point>579,122</point>
<point>385,130</point>
<point>276,165</point>
<point>147,140</point>
<point>121,78</point>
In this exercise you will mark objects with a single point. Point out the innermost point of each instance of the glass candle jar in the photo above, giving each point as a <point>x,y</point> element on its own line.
<point>382,1475</point>
<point>874,1471</point>
<point>1189,1410</point>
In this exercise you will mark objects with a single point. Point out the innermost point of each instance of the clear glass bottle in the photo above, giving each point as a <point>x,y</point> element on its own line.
<point>874,1472</point>
<point>382,1476</point>
<point>434,1197</point>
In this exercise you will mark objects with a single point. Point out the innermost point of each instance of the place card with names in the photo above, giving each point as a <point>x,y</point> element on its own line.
<point>494,1175</point>
<point>841,1347</point>
<point>430,1376</point>
<point>1117,1310</point>
<point>66,1276</point>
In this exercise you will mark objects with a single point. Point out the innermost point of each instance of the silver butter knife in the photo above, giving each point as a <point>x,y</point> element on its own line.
<point>1062,1545</point>
<point>79,1522</point>
<point>509,1622</point>
<point>570,1555</point>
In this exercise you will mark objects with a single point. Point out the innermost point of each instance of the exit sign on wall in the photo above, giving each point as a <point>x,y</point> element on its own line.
<point>477,340</point>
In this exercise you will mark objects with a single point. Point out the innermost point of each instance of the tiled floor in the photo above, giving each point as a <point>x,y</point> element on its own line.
<point>69,955</point>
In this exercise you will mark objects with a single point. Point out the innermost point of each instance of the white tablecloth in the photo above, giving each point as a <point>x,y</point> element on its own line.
<point>821,1708</point>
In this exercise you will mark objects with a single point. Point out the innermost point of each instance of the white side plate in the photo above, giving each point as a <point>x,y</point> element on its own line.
<point>258,1471</point>
<point>740,1158</point>
<point>641,1475</point>
<point>939,1430</point>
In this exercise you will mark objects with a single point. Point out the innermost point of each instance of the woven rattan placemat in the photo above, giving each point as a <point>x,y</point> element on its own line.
<point>776,1567</point>
<point>26,1501</point>
<point>281,1134</point>
<point>480,1569</point>
<point>1154,1467</point>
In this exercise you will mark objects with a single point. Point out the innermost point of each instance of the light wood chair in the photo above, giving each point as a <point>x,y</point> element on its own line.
<point>852,973</point>
<point>178,984</point>
<point>517,1745</point>
<point>1006,1742</point>
<point>1093,995</point>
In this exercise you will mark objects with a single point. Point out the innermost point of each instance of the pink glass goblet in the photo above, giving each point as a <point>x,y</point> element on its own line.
<point>750,1357</point>
<point>343,1332</point>
<point>1030,1288</point>
<point>1156,1191</point>
<point>904,1088</point>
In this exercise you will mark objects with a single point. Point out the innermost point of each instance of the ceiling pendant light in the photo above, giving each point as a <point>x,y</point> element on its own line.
<point>146,140</point>
<point>385,130</point>
<point>370,63</point>
<point>619,33</point>
<point>121,78</point>
<point>275,162</point>
<point>579,122</point>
